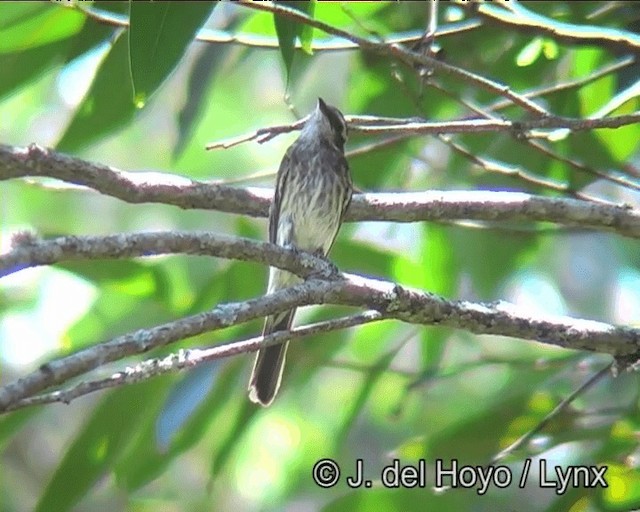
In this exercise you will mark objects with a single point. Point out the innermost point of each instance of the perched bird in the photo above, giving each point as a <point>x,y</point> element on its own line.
<point>313,191</point>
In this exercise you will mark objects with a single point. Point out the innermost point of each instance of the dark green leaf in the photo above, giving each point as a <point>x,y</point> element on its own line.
<point>107,105</point>
<point>27,65</point>
<point>147,458</point>
<point>200,78</point>
<point>12,422</point>
<point>289,30</point>
<point>91,35</point>
<point>159,34</point>
<point>113,424</point>
<point>306,34</point>
<point>489,256</point>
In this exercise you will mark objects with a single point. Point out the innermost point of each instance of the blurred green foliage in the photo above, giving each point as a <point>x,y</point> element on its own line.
<point>148,97</point>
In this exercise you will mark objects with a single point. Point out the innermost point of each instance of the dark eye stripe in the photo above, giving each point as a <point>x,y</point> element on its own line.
<point>338,126</point>
<point>336,120</point>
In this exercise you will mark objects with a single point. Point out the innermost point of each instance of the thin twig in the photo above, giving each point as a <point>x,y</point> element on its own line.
<point>261,135</point>
<point>408,57</point>
<point>207,35</point>
<point>595,378</point>
<point>619,64</point>
<point>618,179</point>
<point>414,127</point>
<point>493,166</point>
<point>191,358</point>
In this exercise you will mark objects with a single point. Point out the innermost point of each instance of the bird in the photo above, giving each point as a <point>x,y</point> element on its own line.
<point>313,191</point>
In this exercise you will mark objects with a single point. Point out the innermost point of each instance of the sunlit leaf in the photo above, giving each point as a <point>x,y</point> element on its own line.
<point>530,53</point>
<point>111,426</point>
<point>32,27</point>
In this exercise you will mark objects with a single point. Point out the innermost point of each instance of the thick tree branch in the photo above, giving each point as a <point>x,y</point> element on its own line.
<point>28,251</point>
<point>389,299</point>
<point>179,191</point>
<point>16,162</point>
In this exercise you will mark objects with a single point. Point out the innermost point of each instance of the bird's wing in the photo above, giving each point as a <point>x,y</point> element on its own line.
<point>281,183</point>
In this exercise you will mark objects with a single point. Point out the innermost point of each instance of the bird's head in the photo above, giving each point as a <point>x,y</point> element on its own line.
<point>328,123</point>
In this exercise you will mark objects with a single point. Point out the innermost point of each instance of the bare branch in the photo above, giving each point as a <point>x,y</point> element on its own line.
<point>191,358</point>
<point>28,251</point>
<point>404,55</point>
<point>389,299</point>
<point>164,188</point>
<point>395,207</point>
<point>605,70</point>
<point>140,341</point>
<point>261,135</point>
<point>499,125</point>
<point>207,35</point>
<point>413,127</point>
<point>617,178</point>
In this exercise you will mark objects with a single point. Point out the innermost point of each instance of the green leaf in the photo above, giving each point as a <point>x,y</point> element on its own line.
<point>530,53</point>
<point>490,256</point>
<point>159,34</point>
<point>127,277</point>
<point>31,27</point>
<point>623,492</point>
<point>91,35</point>
<point>334,13</point>
<point>306,34</point>
<point>12,422</point>
<point>391,500</point>
<point>622,142</point>
<point>201,75</point>
<point>20,12</point>
<point>107,105</point>
<point>147,458</point>
<point>289,30</point>
<point>27,65</point>
<point>107,432</point>
<point>366,387</point>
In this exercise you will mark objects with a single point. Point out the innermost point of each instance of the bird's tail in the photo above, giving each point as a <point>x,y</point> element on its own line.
<point>267,370</point>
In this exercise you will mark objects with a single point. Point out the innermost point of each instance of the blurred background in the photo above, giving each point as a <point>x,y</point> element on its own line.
<point>192,441</point>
